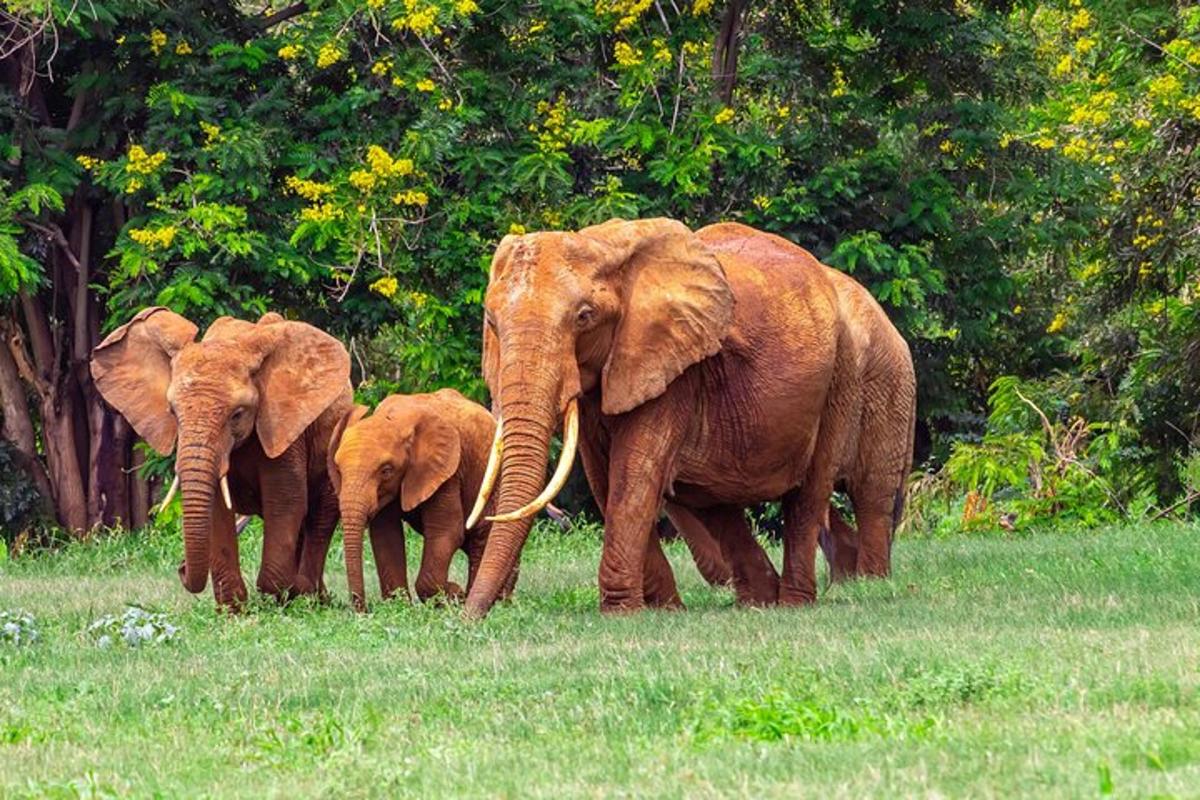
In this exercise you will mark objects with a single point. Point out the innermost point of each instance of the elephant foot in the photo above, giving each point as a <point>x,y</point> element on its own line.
<point>667,604</point>
<point>797,595</point>
<point>622,606</point>
<point>451,592</point>
<point>230,594</point>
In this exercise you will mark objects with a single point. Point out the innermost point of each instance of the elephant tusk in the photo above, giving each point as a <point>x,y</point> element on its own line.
<point>170,495</point>
<point>565,462</point>
<point>225,492</point>
<point>489,476</point>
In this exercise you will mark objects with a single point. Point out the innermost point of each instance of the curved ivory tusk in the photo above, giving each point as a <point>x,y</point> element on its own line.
<point>225,492</point>
<point>565,462</point>
<point>489,476</point>
<point>170,496</point>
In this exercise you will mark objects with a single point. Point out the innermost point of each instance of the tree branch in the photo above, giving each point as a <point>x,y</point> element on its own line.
<point>283,15</point>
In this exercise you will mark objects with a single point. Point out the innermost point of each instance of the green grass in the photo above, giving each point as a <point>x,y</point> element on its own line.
<point>1048,665</point>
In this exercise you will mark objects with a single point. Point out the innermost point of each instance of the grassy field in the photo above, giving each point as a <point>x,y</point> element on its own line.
<point>1053,665</point>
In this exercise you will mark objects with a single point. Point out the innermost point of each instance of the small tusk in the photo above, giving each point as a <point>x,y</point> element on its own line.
<point>489,476</point>
<point>170,496</point>
<point>565,462</point>
<point>225,492</point>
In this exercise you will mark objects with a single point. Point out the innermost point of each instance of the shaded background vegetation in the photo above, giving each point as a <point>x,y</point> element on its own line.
<point>1017,182</point>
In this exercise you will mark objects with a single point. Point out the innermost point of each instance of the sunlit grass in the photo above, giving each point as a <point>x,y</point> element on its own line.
<point>1046,665</point>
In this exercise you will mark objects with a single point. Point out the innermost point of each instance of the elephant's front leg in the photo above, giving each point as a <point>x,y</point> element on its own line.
<point>229,589</point>
<point>640,459</point>
<point>387,544</point>
<point>314,545</point>
<point>284,504</point>
<point>442,526</point>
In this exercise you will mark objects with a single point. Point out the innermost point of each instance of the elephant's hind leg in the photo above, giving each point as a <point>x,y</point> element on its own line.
<point>755,581</point>
<point>314,542</point>
<point>839,543</point>
<point>658,580</point>
<point>706,550</point>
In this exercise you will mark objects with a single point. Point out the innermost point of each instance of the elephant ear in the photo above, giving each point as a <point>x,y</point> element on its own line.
<point>432,459</point>
<point>676,307</point>
<point>491,347</point>
<point>348,420</point>
<point>132,370</point>
<point>302,372</point>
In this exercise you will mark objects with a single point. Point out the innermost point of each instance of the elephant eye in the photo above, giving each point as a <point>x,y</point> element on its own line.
<point>386,470</point>
<point>237,415</point>
<point>585,316</point>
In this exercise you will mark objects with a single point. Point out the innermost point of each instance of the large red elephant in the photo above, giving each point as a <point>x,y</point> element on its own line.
<point>710,370</point>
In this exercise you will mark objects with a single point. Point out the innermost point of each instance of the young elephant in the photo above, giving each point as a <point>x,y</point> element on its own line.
<point>248,410</point>
<point>419,459</point>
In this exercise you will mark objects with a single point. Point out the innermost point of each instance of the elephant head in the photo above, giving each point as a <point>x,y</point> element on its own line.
<point>405,450</point>
<point>623,308</point>
<point>205,398</point>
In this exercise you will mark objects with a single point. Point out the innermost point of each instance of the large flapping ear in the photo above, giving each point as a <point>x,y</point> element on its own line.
<point>676,307</point>
<point>302,372</point>
<point>132,370</point>
<point>348,420</point>
<point>491,347</point>
<point>432,459</point>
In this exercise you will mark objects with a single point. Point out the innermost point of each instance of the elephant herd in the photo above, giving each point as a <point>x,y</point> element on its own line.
<point>693,372</point>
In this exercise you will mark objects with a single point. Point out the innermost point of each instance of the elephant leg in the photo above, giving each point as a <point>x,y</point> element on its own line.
<point>705,549</point>
<point>387,545</point>
<point>875,512</point>
<point>755,581</point>
<point>229,589</point>
<point>658,581</point>
<point>839,543</point>
<point>285,503</point>
<point>314,544</point>
<point>640,459</point>
<point>804,518</point>
<point>442,525</point>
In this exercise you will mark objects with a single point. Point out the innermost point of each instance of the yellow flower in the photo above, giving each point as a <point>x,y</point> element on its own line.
<point>1080,20</point>
<point>142,163</point>
<point>1005,141</point>
<point>309,190</point>
<point>212,133</point>
<point>1076,149</point>
<point>762,202</point>
<point>410,198</point>
<point>1058,323</point>
<point>421,21</point>
<point>374,5</point>
<point>120,40</point>
<point>382,67</point>
<point>445,104</point>
<point>1141,123</point>
<point>87,162</point>
<point>1165,88</point>
<point>723,116</point>
<point>1043,143</point>
<point>362,180</point>
<point>158,40</point>
<point>517,229</point>
<point>466,7</point>
<point>153,239</point>
<point>1017,309</point>
<point>290,51</point>
<point>320,212</point>
<point>1064,66</point>
<point>701,7</point>
<point>425,85</point>
<point>133,185</point>
<point>946,146</point>
<point>1084,45</point>
<point>386,286</point>
<point>384,166</point>
<point>839,83</point>
<point>662,53</point>
<point>626,56</point>
<point>397,81</point>
<point>328,55</point>
<point>183,49</point>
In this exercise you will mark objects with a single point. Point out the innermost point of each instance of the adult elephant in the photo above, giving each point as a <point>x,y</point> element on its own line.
<point>251,408</point>
<point>716,369</point>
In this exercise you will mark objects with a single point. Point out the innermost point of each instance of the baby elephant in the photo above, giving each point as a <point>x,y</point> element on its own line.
<point>419,458</point>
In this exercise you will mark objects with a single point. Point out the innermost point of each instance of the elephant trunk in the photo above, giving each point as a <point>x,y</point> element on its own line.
<point>198,480</point>
<point>355,514</point>
<point>529,414</point>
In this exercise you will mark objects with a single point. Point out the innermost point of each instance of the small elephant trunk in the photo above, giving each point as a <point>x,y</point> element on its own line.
<point>354,521</point>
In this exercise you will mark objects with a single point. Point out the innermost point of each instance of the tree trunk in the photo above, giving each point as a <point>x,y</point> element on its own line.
<point>726,47</point>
